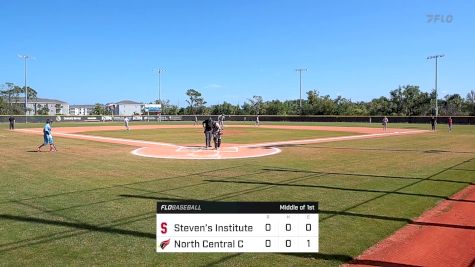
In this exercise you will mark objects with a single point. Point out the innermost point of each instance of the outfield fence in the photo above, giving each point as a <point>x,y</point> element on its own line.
<point>243,118</point>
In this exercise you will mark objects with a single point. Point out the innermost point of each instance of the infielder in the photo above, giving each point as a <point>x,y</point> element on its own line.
<point>126,123</point>
<point>221,121</point>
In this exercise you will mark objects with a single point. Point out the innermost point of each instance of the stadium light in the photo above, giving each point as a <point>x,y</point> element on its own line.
<point>300,74</point>
<point>159,71</point>
<point>436,100</point>
<point>25,58</point>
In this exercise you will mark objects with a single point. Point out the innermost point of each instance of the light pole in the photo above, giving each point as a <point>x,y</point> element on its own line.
<point>159,71</point>
<point>25,58</point>
<point>300,75</point>
<point>436,105</point>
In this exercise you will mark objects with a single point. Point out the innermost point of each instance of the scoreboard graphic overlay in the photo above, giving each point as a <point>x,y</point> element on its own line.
<point>289,227</point>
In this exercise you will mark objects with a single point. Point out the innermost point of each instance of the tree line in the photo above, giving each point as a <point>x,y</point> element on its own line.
<point>406,100</point>
<point>12,100</point>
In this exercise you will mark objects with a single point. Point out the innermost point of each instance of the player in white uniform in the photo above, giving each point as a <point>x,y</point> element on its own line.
<point>126,123</point>
<point>221,121</point>
<point>217,132</point>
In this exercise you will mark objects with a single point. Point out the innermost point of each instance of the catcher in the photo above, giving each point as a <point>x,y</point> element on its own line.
<point>217,133</point>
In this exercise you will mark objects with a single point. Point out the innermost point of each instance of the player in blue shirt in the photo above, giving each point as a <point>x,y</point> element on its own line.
<point>47,137</point>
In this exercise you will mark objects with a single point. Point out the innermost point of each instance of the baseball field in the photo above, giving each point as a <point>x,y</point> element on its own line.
<point>94,201</point>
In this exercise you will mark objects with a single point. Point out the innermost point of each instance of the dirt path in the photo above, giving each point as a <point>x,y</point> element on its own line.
<point>442,236</point>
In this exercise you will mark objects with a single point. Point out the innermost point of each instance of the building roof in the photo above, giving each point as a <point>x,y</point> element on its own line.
<point>125,102</point>
<point>37,100</point>
<point>82,106</point>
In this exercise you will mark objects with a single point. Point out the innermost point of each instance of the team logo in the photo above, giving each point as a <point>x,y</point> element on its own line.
<point>164,244</point>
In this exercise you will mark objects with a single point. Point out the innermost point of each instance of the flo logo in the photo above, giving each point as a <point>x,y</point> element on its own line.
<point>164,244</point>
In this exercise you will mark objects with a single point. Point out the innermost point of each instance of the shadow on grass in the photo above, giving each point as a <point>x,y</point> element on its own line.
<point>363,175</point>
<point>124,185</point>
<point>72,229</point>
<point>222,260</point>
<point>342,258</point>
<point>430,151</point>
<point>342,189</point>
<point>80,226</point>
<point>467,170</point>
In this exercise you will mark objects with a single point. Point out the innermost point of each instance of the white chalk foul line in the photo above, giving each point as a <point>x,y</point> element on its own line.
<point>101,138</point>
<point>330,139</point>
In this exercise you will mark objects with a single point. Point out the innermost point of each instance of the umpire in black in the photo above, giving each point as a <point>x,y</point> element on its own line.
<point>12,122</point>
<point>208,130</point>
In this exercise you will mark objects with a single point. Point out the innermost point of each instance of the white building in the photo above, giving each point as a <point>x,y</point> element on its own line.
<point>42,106</point>
<point>81,110</point>
<point>126,108</point>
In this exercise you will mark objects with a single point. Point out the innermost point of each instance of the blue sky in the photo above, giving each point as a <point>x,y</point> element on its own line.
<point>89,51</point>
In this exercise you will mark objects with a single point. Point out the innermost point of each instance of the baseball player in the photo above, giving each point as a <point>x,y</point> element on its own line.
<point>385,123</point>
<point>47,137</point>
<point>221,121</point>
<point>208,128</point>
<point>126,123</point>
<point>217,133</point>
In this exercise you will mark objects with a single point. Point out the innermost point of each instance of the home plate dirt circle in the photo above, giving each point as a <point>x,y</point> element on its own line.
<point>197,152</point>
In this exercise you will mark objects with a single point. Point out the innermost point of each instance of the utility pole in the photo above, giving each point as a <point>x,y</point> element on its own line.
<point>436,97</point>
<point>300,75</point>
<point>25,58</point>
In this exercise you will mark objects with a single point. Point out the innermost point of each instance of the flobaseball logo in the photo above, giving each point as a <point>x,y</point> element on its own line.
<point>164,244</point>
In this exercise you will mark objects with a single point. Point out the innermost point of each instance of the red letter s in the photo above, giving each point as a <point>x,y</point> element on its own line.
<point>164,228</point>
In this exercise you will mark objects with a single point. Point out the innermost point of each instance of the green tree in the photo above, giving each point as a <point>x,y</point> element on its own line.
<point>225,108</point>
<point>100,109</point>
<point>380,106</point>
<point>414,101</point>
<point>312,97</point>
<point>470,103</point>
<point>10,95</point>
<point>167,108</point>
<point>42,110</point>
<point>276,107</point>
<point>58,108</point>
<point>256,103</point>
<point>452,105</point>
<point>196,101</point>
<point>396,98</point>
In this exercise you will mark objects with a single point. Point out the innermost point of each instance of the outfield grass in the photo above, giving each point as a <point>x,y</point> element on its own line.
<point>94,203</point>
